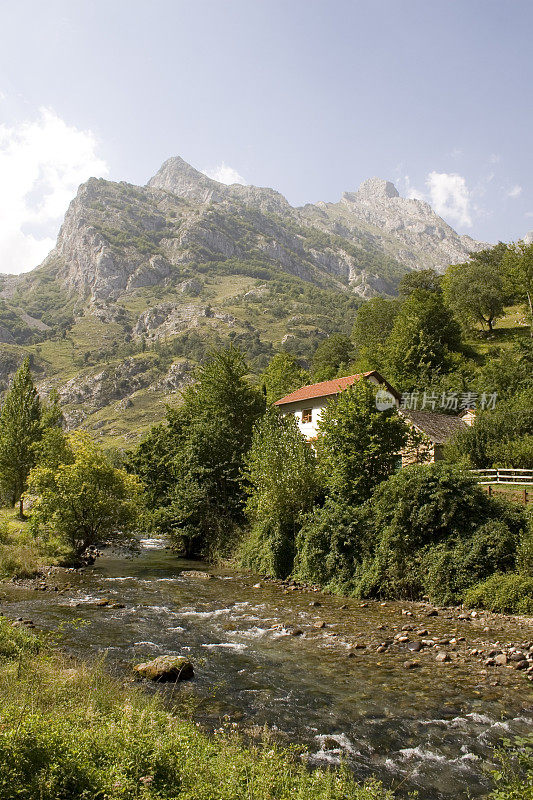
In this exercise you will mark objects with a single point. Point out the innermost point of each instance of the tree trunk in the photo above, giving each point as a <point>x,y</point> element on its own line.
<point>21,508</point>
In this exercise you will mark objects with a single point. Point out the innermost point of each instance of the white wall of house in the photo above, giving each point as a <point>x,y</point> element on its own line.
<point>316,406</point>
<point>313,408</point>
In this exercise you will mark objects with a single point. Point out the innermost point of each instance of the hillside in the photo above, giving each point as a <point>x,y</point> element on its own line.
<point>144,280</point>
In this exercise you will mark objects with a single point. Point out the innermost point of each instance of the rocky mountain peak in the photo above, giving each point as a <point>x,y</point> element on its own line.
<point>180,178</point>
<point>183,180</point>
<point>377,189</point>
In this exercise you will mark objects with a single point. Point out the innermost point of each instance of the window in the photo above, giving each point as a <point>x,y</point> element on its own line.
<point>307,415</point>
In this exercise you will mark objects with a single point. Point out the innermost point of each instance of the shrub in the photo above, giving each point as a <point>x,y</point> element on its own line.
<point>509,593</point>
<point>357,444</point>
<point>514,776</point>
<point>332,544</point>
<point>280,471</point>
<point>437,533</point>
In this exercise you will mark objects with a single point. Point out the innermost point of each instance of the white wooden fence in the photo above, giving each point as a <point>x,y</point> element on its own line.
<point>511,477</point>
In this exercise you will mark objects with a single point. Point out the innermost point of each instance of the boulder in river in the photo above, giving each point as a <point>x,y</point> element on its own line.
<point>196,573</point>
<point>166,668</point>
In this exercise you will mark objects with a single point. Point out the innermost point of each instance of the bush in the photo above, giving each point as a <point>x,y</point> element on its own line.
<point>281,476</point>
<point>514,776</point>
<point>332,544</point>
<point>449,569</point>
<point>509,593</point>
<point>428,530</point>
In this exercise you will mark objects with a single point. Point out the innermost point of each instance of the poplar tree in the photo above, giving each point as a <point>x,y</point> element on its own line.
<point>20,431</point>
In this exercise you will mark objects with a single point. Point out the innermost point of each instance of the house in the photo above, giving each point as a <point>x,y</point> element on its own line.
<point>434,430</point>
<point>308,403</point>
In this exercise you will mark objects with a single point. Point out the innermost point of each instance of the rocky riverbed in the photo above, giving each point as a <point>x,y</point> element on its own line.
<point>413,693</point>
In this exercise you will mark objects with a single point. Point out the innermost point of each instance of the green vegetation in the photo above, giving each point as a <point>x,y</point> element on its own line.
<point>21,428</point>
<point>283,375</point>
<point>281,475</point>
<point>70,731</point>
<point>22,555</point>
<point>475,291</point>
<point>332,357</point>
<point>358,445</point>
<point>80,497</point>
<point>191,464</point>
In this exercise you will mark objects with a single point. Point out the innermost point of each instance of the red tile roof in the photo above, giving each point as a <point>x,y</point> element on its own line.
<point>328,388</point>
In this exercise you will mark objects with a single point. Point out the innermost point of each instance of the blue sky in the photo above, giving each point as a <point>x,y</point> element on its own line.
<point>305,96</point>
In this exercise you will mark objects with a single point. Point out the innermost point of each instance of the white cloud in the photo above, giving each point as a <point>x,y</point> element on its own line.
<point>411,191</point>
<point>225,174</point>
<point>450,197</point>
<point>516,191</point>
<point>42,162</point>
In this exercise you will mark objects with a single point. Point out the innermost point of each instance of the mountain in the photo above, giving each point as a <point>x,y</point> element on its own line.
<point>144,279</point>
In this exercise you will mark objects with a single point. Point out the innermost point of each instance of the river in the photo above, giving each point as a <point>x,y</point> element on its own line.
<point>430,728</point>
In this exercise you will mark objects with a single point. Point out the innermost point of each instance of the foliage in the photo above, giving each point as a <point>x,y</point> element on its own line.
<point>191,465</point>
<point>280,471</point>
<point>332,545</point>
<point>423,336</point>
<point>514,775</point>
<point>332,357</point>
<point>22,555</point>
<point>474,291</point>
<point>20,431</point>
<point>502,437</point>
<point>84,500</point>
<point>283,375</point>
<point>372,327</point>
<point>70,731</point>
<point>434,516</point>
<point>426,279</point>
<point>509,593</point>
<point>358,445</point>
<point>518,266</point>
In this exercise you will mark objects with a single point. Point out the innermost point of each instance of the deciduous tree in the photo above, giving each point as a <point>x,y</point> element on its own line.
<point>20,432</point>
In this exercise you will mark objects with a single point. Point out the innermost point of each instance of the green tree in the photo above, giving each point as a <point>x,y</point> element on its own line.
<point>192,464</point>
<point>500,437</point>
<point>283,375</point>
<point>86,500</point>
<point>437,533</point>
<point>332,357</point>
<point>423,335</point>
<point>426,279</point>
<point>281,475</point>
<point>372,327</point>
<point>358,445</point>
<point>20,432</point>
<point>518,268</point>
<point>474,292</point>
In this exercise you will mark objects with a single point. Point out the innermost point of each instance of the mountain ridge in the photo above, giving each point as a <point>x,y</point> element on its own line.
<point>143,280</point>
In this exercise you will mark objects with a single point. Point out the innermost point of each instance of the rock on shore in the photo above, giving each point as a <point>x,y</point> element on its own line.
<point>165,669</point>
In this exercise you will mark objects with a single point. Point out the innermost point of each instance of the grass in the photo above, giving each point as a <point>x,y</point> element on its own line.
<point>21,554</point>
<point>68,730</point>
<point>508,329</point>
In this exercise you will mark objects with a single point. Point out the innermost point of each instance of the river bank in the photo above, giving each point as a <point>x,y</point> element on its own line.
<point>343,679</point>
<point>69,730</point>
